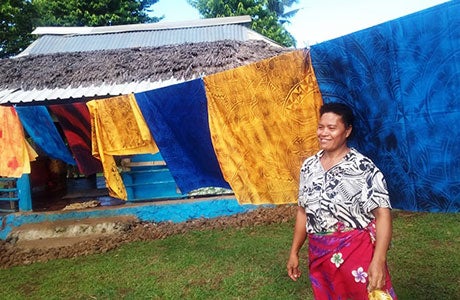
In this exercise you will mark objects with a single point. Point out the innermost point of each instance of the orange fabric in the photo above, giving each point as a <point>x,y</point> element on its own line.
<point>263,119</point>
<point>118,128</point>
<point>16,153</point>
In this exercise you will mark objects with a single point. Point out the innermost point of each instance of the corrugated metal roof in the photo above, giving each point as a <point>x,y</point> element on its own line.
<point>49,44</point>
<point>80,39</point>
<point>18,96</point>
<point>140,27</point>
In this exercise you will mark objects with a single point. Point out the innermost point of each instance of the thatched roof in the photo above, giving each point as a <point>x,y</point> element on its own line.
<point>183,62</point>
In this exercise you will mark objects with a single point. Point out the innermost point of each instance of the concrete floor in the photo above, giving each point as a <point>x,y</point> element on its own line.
<point>177,210</point>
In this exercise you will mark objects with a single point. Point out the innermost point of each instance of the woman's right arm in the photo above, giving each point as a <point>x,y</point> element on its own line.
<point>300,235</point>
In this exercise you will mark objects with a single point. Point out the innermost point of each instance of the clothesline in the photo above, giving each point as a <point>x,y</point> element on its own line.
<point>249,128</point>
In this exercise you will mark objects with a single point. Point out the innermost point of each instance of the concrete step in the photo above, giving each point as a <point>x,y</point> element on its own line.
<point>67,232</point>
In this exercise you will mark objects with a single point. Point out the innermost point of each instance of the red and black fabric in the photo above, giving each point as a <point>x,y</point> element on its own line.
<point>74,120</point>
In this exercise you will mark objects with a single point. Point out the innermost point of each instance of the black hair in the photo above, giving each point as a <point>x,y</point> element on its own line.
<point>343,110</point>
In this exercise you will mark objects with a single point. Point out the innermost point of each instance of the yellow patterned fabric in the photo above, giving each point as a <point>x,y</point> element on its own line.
<point>379,295</point>
<point>16,152</point>
<point>118,128</point>
<point>263,119</point>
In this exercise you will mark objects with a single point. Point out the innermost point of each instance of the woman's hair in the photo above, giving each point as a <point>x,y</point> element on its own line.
<point>340,109</point>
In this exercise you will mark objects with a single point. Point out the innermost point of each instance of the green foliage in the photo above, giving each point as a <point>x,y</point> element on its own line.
<point>20,17</point>
<point>16,19</point>
<point>93,13</point>
<point>237,263</point>
<point>268,16</point>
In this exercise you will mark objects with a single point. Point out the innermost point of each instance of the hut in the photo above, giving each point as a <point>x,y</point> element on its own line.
<point>68,65</point>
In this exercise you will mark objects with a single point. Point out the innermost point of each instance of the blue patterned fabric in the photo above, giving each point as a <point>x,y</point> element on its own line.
<point>177,117</point>
<point>37,121</point>
<point>402,79</point>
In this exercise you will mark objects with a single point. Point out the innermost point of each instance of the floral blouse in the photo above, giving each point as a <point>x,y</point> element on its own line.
<point>344,195</point>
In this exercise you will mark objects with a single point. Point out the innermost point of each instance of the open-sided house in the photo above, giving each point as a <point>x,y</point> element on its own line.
<point>73,65</point>
<point>399,76</point>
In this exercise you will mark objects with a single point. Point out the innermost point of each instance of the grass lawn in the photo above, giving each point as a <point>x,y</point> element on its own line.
<point>237,263</point>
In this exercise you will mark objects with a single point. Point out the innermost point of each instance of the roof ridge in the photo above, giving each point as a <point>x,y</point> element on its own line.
<point>63,30</point>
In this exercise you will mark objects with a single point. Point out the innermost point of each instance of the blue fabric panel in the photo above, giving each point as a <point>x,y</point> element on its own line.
<point>37,121</point>
<point>177,117</point>
<point>402,79</point>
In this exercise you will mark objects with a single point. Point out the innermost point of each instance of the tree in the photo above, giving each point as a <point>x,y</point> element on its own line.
<point>279,8</point>
<point>268,16</point>
<point>16,19</point>
<point>93,13</point>
<point>20,17</point>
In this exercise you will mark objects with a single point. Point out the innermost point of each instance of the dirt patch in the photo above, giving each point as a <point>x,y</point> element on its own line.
<point>12,254</point>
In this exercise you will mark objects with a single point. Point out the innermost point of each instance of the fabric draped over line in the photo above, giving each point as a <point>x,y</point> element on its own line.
<point>402,79</point>
<point>118,128</point>
<point>263,119</point>
<point>74,120</point>
<point>41,129</point>
<point>14,148</point>
<point>177,117</point>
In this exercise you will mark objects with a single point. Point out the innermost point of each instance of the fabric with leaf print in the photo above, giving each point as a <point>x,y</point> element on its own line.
<point>118,128</point>
<point>402,80</point>
<point>343,196</point>
<point>263,120</point>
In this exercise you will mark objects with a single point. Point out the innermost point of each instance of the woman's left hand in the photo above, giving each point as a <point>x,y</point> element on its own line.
<point>378,268</point>
<point>376,273</point>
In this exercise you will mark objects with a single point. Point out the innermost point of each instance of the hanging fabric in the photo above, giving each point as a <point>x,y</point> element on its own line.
<point>41,129</point>
<point>178,119</point>
<point>402,79</point>
<point>74,120</point>
<point>16,153</point>
<point>118,128</point>
<point>263,119</point>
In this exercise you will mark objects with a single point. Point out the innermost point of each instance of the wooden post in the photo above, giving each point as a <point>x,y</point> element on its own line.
<point>24,193</point>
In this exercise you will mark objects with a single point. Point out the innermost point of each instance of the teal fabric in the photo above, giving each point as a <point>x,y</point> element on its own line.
<point>402,79</point>
<point>37,121</point>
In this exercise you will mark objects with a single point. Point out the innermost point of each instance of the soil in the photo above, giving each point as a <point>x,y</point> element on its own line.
<point>13,254</point>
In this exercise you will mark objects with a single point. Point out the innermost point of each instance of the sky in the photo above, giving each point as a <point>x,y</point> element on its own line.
<point>318,20</point>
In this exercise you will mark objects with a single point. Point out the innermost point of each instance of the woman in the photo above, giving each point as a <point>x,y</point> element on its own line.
<point>344,210</point>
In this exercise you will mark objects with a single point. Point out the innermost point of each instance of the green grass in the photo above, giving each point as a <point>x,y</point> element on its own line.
<point>237,263</point>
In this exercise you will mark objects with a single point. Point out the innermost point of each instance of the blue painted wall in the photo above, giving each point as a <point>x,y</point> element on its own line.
<point>174,211</point>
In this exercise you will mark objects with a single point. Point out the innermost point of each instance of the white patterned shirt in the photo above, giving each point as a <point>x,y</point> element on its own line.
<point>344,195</point>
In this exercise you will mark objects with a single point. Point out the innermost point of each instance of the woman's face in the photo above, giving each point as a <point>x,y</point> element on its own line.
<point>332,134</point>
